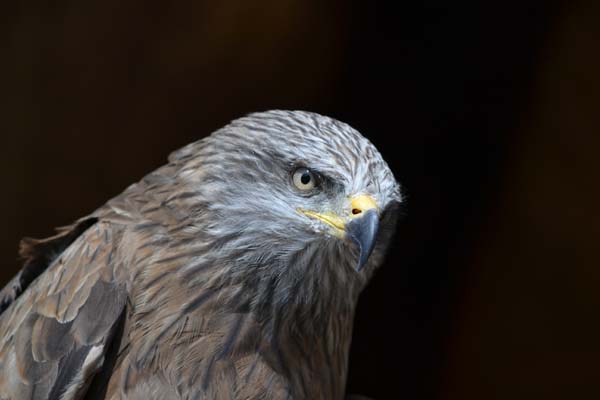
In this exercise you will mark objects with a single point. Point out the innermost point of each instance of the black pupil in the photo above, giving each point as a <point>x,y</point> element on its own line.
<point>305,178</point>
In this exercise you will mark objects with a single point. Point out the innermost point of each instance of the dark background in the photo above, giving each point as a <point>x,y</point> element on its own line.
<point>486,111</point>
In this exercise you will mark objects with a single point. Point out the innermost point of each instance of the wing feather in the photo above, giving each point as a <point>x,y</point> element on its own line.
<point>38,255</point>
<point>61,314</point>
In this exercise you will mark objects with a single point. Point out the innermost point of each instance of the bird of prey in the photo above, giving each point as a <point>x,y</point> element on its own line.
<point>232,272</point>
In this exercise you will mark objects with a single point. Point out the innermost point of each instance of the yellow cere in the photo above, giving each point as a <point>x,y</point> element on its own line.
<point>358,205</point>
<point>362,203</point>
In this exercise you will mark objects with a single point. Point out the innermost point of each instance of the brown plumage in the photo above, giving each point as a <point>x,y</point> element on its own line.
<point>230,273</point>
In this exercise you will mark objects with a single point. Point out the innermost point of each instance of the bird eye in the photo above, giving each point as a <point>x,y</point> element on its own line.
<point>304,179</point>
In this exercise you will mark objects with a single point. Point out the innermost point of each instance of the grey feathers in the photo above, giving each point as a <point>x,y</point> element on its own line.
<point>204,280</point>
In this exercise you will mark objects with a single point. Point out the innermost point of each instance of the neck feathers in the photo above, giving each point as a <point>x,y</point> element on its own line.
<point>290,314</point>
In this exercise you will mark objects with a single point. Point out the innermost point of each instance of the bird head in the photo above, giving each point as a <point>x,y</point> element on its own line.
<point>280,182</point>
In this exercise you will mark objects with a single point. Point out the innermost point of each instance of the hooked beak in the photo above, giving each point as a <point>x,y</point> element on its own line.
<point>360,225</point>
<point>363,232</point>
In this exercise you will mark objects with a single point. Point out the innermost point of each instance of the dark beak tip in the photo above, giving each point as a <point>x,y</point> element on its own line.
<point>363,232</point>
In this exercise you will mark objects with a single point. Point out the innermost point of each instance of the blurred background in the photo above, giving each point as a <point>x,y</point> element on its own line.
<point>487,113</point>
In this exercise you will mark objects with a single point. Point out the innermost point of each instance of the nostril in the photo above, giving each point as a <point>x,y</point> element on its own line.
<point>356,211</point>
